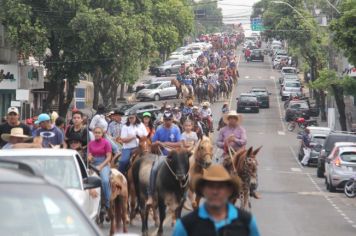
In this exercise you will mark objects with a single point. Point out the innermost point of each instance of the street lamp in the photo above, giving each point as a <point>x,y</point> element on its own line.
<point>294,9</point>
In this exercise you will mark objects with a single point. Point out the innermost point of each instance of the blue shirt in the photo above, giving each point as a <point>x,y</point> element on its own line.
<point>52,136</point>
<point>188,81</point>
<point>232,214</point>
<point>167,135</point>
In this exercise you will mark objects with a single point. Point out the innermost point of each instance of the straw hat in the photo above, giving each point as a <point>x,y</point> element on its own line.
<point>217,173</point>
<point>205,104</point>
<point>15,132</point>
<point>232,114</point>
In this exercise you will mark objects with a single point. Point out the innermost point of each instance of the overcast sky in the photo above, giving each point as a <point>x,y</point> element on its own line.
<point>237,11</point>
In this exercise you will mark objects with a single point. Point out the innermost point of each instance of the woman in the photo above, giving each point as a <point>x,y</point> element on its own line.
<point>99,153</point>
<point>129,133</point>
<point>99,119</point>
<point>148,123</point>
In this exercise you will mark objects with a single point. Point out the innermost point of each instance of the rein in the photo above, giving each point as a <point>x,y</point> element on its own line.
<point>174,174</point>
<point>231,153</point>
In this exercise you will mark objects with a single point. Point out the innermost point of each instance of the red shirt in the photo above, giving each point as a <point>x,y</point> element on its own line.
<point>99,148</point>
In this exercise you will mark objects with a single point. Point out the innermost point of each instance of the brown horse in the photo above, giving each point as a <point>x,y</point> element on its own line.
<point>201,159</point>
<point>244,164</point>
<point>178,86</point>
<point>211,93</point>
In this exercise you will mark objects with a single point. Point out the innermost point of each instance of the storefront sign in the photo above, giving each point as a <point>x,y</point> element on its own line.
<point>31,77</point>
<point>8,76</point>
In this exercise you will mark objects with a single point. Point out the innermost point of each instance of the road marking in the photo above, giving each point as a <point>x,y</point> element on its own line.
<point>272,77</point>
<point>281,132</point>
<point>327,198</point>
<point>246,77</point>
<point>296,169</point>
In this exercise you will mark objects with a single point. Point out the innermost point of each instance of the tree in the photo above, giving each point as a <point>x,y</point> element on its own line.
<point>211,19</point>
<point>344,29</point>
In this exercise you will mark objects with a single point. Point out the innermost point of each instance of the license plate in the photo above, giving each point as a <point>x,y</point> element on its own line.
<point>247,108</point>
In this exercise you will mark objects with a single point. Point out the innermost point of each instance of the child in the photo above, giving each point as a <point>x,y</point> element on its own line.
<point>189,137</point>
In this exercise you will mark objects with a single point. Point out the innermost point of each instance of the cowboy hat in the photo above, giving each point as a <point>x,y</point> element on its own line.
<point>217,173</point>
<point>232,114</point>
<point>15,132</point>
<point>205,104</point>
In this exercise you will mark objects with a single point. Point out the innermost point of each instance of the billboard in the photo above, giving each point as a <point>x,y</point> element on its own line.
<point>31,77</point>
<point>9,76</point>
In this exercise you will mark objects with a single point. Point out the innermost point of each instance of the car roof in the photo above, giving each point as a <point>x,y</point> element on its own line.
<point>344,144</point>
<point>142,104</point>
<point>288,67</point>
<point>248,94</point>
<point>38,152</point>
<point>316,130</point>
<point>259,89</point>
<point>337,137</point>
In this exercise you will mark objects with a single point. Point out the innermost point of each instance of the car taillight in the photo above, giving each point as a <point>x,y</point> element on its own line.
<point>337,161</point>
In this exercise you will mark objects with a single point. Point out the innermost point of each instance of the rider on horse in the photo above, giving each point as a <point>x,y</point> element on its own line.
<point>206,114</point>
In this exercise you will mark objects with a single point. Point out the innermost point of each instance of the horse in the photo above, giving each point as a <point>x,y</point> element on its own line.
<point>224,89</point>
<point>244,164</point>
<point>144,150</point>
<point>177,84</point>
<point>172,184</point>
<point>185,91</point>
<point>201,159</point>
<point>211,93</point>
<point>200,91</point>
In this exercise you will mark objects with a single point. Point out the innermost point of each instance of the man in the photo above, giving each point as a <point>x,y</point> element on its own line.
<point>306,147</point>
<point>17,139</point>
<point>206,114</point>
<point>12,121</point>
<point>167,135</point>
<point>77,132</point>
<point>51,135</point>
<point>217,216</point>
<point>247,54</point>
<point>232,135</point>
<point>115,126</point>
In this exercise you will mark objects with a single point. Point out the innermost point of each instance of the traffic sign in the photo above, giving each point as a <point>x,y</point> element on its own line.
<point>257,24</point>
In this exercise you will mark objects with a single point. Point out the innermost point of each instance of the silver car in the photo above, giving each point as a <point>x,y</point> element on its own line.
<point>340,165</point>
<point>289,87</point>
<point>67,168</point>
<point>157,91</point>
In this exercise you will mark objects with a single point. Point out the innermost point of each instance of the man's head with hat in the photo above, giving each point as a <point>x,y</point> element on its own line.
<point>117,115</point>
<point>217,186</point>
<point>16,136</point>
<point>232,118</point>
<point>167,119</point>
<point>44,121</point>
<point>13,116</point>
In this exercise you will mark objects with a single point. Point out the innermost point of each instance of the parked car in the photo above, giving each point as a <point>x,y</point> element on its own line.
<point>65,166</point>
<point>277,60</point>
<point>290,87</point>
<point>340,165</point>
<point>257,55</point>
<point>262,96</point>
<point>157,91</point>
<point>297,108</point>
<point>247,102</point>
<point>318,136</point>
<point>32,204</point>
<point>139,85</point>
<point>288,77</point>
<point>287,70</point>
<point>139,108</point>
<point>279,52</point>
<point>169,67</point>
<point>332,138</point>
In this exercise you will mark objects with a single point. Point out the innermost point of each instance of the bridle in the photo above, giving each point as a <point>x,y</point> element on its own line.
<point>186,179</point>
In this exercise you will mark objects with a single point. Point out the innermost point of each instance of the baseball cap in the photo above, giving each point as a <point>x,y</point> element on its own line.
<point>167,115</point>
<point>42,117</point>
<point>13,110</point>
<point>147,114</point>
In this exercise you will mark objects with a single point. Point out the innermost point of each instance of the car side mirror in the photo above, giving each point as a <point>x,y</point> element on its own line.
<point>92,182</point>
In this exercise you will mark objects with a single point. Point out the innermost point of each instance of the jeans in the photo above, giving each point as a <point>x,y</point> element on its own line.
<point>125,159</point>
<point>105,179</point>
<point>156,164</point>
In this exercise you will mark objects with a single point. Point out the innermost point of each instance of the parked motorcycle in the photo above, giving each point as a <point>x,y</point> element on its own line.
<point>301,122</point>
<point>350,187</point>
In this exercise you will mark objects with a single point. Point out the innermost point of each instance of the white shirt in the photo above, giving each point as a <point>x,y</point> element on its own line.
<point>133,131</point>
<point>98,121</point>
<point>205,112</point>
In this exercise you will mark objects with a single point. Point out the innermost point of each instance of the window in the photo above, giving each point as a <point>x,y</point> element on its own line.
<point>80,93</point>
<point>348,156</point>
<point>80,105</point>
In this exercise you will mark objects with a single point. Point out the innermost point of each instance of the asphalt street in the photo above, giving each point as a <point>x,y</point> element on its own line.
<point>294,201</point>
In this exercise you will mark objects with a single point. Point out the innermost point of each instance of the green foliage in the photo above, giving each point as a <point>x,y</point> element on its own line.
<point>213,19</point>
<point>344,29</point>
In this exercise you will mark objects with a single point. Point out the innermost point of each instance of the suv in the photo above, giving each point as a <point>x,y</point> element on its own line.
<point>247,102</point>
<point>257,55</point>
<point>157,91</point>
<point>328,146</point>
<point>340,165</point>
<point>262,96</point>
<point>32,204</point>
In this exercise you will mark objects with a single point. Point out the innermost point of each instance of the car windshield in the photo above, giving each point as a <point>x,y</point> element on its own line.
<point>153,86</point>
<point>329,142</point>
<point>348,156</point>
<point>247,99</point>
<point>259,92</point>
<point>318,139</point>
<point>292,85</point>
<point>301,105</point>
<point>167,63</point>
<point>61,169</point>
<point>289,71</point>
<point>38,210</point>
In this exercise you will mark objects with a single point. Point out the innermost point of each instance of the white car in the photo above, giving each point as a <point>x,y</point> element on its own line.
<point>67,168</point>
<point>157,91</point>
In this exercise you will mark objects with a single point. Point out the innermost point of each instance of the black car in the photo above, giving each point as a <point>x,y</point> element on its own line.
<point>262,96</point>
<point>257,55</point>
<point>297,108</point>
<point>49,208</point>
<point>328,147</point>
<point>247,102</point>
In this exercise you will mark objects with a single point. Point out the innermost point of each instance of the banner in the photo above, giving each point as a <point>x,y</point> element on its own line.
<point>31,77</point>
<point>8,76</point>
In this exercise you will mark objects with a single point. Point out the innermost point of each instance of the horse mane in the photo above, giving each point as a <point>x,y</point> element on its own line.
<point>239,160</point>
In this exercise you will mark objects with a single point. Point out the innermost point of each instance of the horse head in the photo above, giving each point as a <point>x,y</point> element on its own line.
<point>177,162</point>
<point>144,145</point>
<point>246,161</point>
<point>203,155</point>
